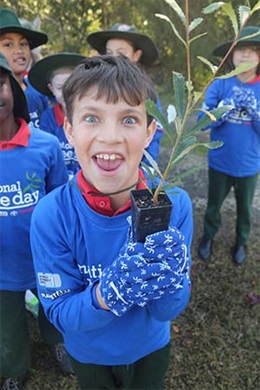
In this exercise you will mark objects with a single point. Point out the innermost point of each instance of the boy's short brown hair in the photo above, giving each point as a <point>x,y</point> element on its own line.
<point>114,77</point>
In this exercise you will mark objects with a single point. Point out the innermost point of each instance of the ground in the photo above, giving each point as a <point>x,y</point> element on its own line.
<point>215,342</point>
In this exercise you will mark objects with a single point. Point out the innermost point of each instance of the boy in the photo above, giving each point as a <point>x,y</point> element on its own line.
<point>31,165</point>
<point>237,163</point>
<point>122,39</point>
<point>16,43</point>
<point>48,76</point>
<point>112,299</point>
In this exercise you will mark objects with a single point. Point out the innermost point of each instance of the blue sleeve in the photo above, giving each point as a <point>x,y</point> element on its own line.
<point>46,121</point>
<point>69,308</point>
<point>37,103</point>
<point>213,99</point>
<point>58,173</point>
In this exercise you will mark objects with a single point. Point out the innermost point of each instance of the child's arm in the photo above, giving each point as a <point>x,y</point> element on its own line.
<point>214,98</point>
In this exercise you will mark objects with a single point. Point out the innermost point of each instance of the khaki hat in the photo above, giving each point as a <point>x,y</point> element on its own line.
<point>253,34</point>
<point>20,108</point>
<point>9,22</point>
<point>99,39</point>
<point>40,73</point>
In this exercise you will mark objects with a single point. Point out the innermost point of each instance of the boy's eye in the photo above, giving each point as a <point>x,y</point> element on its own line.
<point>8,44</point>
<point>91,119</point>
<point>129,121</point>
<point>25,44</point>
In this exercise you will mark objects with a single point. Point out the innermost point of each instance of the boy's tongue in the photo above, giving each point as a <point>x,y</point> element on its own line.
<point>108,165</point>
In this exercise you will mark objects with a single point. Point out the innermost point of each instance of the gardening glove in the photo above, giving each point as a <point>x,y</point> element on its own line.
<point>167,246</point>
<point>244,99</point>
<point>132,280</point>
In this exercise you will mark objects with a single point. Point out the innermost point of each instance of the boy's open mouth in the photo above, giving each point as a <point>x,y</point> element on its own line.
<point>108,162</point>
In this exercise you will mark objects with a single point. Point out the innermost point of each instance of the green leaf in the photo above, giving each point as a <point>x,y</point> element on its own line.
<point>256,7</point>
<point>244,13</point>
<point>173,27</point>
<point>153,110</point>
<point>206,121</point>
<point>208,145</point>
<point>195,23</point>
<point>37,180</point>
<point>151,175</point>
<point>212,7</point>
<point>240,69</point>
<point>198,36</point>
<point>26,189</point>
<point>27,176</point>
<point>207,62</point>
<point>187,141</point>
<point>175,6</point>
<point>152,162</point>
<point>196,96</point>
<point>229,10</point>
<point>179,93</point>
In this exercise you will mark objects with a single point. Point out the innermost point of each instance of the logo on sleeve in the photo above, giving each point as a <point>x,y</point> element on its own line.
<point>49,280</point>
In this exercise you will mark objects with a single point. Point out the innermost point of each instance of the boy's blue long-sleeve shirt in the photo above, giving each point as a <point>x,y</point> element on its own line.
<point>71,245</point>
<point>27,174</point>
<point>240,154</point>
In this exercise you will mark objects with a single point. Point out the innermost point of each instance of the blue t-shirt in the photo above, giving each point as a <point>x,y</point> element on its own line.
<point>240,154</point>
<point>27,174</point>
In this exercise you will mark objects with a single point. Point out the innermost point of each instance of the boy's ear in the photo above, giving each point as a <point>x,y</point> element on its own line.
<point>137,55</point>
<point>151,129</point>
<point>69,131</point>
<point>49,85</point>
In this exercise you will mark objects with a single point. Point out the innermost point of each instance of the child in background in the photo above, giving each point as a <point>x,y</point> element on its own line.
<point>237,163</point>
<point>16,43</point>
<point>111,298</point>
<point>122,39</point>
<point>48,76</point>
<point>31,165</point>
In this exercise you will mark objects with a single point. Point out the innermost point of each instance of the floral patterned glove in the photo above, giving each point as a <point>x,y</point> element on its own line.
<point>244,99</point>
<point>167,246</point>
<point>132,280</point>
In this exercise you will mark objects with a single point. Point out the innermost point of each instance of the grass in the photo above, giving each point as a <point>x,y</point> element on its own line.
<point>216,341</point>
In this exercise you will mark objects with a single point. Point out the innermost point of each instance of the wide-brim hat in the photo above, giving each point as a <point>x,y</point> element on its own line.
<point>99,39</point>
<point>9,22</point>
<point>20,108</point>
<point>249,36</point>
<point>40,73</point>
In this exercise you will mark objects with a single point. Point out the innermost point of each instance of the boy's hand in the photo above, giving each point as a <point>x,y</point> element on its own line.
<point>246,100</point>
<point>133,280</point>
<point>167,246</point>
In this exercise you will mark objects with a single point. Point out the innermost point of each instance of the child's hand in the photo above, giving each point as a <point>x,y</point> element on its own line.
<point>132,280</point>
<point>244,99</point>
<point>167,246</point>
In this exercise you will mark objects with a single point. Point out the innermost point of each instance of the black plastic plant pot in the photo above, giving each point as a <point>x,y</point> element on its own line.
<point>148,218</point>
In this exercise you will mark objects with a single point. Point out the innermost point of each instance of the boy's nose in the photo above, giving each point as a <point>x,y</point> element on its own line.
<point>111,133</point>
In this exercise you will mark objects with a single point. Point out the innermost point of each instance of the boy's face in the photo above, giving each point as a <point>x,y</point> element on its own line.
<point>246,54</point>
<point>56,84</point>
<point>109,140</point>
<point>117,47</point>
<point>6,99</point>
<point>17,51</point>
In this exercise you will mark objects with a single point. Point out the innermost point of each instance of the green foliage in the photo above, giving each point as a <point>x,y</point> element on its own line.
<point>182,139</point>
